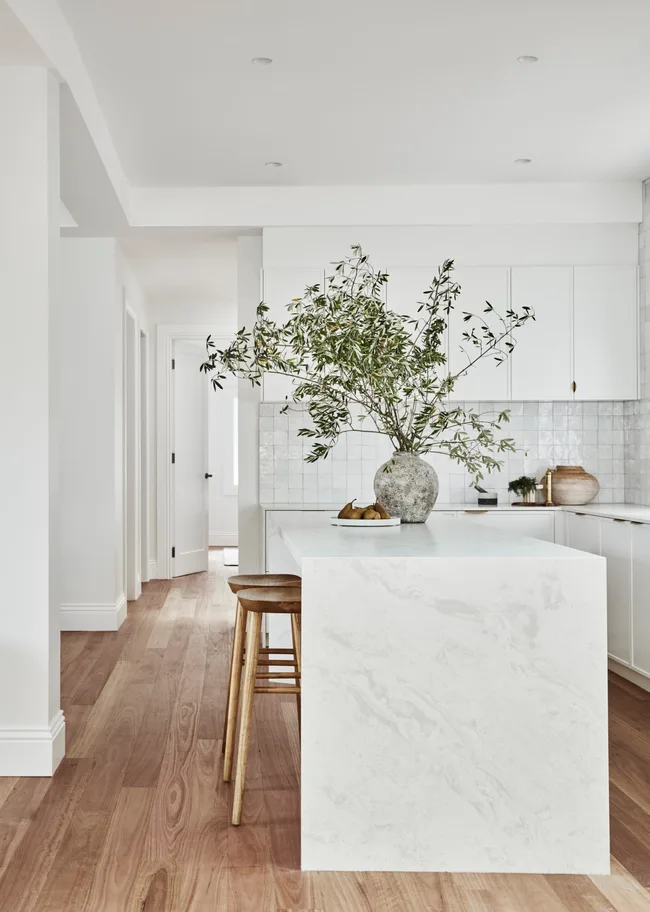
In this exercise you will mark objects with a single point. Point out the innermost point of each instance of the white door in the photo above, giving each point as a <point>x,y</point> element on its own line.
<point>280,287</point>
<point>486,380</point>
<point>641,597</point>
<point>616,546</point>
<point>605,332</point>
<point>541,363</point>
<point>190,484</point>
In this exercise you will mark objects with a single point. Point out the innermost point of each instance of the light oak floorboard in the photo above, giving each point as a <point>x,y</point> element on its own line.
<point>137,817</point>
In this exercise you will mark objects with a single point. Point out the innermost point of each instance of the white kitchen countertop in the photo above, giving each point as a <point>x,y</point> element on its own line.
<point>630,512</point>
<point>309,536</point>
<point>454,698</point>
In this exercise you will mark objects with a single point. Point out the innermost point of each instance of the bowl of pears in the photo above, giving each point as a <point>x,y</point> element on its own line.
<point>372,516</point>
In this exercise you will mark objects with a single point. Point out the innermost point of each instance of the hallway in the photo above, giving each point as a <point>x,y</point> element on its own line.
<point>136,817</point>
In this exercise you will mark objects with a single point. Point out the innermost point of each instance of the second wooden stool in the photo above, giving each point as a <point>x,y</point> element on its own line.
<point>237,583</point>
<point>256,603</point>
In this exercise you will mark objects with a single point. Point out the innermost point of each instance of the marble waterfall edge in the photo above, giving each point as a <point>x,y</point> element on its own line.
<point>454,714</point>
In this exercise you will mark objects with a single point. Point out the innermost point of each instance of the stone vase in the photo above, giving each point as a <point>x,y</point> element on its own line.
<point>571,485</point>
<point>407,487</point>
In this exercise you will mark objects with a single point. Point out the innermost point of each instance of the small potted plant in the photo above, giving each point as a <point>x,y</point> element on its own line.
<point>525,487</point>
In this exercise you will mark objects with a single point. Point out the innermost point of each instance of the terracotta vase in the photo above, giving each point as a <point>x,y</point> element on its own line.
<point>571,485</point>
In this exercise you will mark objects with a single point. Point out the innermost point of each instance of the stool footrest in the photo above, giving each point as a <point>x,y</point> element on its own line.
<point>277,674</point>
<point>277,690</point>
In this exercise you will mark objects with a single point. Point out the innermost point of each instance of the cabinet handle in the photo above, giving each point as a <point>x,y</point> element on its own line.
<point>637,522</point>
<point>618,520</point>
<point>476,511</point>
<point>579,514</point>
<point>574,386</point>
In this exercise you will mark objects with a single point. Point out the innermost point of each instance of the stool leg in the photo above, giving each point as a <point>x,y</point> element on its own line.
<point>233,692</point>
<point>297,647</point>
<point>250,671</point>
<point>232,661</point>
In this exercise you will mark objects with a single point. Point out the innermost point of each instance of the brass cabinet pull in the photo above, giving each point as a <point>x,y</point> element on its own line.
<point>476,511</point>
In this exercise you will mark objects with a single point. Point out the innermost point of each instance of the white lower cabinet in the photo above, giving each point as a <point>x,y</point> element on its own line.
<point>533,524</point>
<point>616,546</point>
<point>641,597</point>
<point>583,532</point>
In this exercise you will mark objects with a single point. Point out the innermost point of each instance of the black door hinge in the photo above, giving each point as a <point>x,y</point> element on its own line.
<point>173,458</point>
<point>173,552</point>
<point>173,364</point>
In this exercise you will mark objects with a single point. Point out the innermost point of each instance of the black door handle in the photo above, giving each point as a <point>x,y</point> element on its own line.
<point>207,475</point>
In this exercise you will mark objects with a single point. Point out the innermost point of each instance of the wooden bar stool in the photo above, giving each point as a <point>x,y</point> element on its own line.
<point>237,583</point>
<point>256,603</point>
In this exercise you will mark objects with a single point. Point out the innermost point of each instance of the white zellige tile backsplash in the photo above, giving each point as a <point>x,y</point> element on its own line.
<point>591,434</point>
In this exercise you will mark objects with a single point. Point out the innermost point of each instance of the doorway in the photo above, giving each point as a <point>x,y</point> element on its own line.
<point>190,476</point>
<point>132,561</point>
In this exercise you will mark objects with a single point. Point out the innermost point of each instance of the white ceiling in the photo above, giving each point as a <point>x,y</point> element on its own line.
<point>370,91</point>
<point>17,47</point>
<point>189,269</point>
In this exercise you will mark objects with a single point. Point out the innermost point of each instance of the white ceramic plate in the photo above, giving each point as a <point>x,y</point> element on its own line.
<point>366,523</point>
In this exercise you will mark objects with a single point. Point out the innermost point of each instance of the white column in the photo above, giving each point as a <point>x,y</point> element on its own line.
<point>91,444</point>
<point>249,270</point>
<point>32,729</point>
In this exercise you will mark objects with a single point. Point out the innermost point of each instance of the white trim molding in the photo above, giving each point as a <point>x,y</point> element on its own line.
<point>32,751</point>
<point>630,674</point>
<point>223,539</point>
<point>93,617</point>
<point>153,570</point>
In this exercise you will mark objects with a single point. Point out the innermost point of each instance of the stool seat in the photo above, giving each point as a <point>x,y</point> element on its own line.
<point>283,600</point>
<point>262,580</point>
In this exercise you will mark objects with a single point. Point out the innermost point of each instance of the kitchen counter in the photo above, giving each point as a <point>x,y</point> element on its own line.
<point>454,706</point>
<point>439,507</point>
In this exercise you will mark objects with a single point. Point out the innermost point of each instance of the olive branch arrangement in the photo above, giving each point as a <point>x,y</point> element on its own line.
<point>354,359</point>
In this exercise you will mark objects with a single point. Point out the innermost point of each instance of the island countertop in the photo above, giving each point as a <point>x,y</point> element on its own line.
<point>307,535</point>
<point>454,699</point>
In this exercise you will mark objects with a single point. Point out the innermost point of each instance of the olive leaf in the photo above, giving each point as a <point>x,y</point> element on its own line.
<point>352,358</point>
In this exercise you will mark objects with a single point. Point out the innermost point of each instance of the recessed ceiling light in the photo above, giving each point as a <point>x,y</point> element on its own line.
<point>262,61</point>
<point>527,58</point>
<point>273,164</point>
<point>523,161</point>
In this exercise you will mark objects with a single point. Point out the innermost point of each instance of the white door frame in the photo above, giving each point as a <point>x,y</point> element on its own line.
<point>145,445</point>
<point>131,473</point>
<point>165,338</point>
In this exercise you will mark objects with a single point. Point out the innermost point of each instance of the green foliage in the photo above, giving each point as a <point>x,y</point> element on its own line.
<point>523,485</point>
<point>357,362</point>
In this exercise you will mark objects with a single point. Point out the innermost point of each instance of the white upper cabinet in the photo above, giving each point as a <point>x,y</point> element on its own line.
<point>486,380</point>
<point>280,286</point>
<point>541,363</point>
<point>405,293</point>
<point>605,332</point>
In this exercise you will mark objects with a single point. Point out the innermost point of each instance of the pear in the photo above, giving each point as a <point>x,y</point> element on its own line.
<point>383,513</point>
<point>347,510</point>
<point>356,513</point>
<point>371,514</point>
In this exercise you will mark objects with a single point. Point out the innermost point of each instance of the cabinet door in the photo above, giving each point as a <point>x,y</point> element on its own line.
<point>530,522</point>
<point>616,546</point>
<point>542,360</point>
<point>641,598</point>
<point>405,293</point>
<point>279,287</point>
<point>605,332</point>
<point>582,532</point>
<point>487,380</point>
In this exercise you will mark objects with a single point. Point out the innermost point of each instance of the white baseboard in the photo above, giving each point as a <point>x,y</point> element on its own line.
<point>223,540</point>
<point>32,751</point>
<point>630,674</point>
<point>94,617</point>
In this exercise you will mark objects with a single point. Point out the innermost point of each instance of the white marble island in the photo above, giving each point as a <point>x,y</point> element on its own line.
<point>454,709</point>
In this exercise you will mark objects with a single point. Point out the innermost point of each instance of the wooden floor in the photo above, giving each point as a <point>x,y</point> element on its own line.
<point>136,818</point>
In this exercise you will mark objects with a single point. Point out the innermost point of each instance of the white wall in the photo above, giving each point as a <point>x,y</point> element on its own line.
<point>32,728</point>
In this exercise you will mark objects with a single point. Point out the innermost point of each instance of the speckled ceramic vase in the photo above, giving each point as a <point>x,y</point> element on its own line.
<point>407,487</point>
